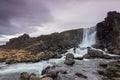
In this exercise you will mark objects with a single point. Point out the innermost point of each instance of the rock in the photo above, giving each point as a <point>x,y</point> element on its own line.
<point>115,79</point>
<point>70,55</point>
<point>33,77</point>
<point>86,56</point>
<point>58,56</point>
<point>117,74</point>
<point>45,71</point>
<point>118,65</point>
<point>47,78</point>
<point>24,76</point>
<point>108,31</point>
<point>69,61</point>
<point>112,71</point>
<point>78,58</point>
<point>96,54</point>
<point>80,75</point>
<point>52,74</point>
<point>9,61</point>
<point>103,64</point>
<point>101,72</point>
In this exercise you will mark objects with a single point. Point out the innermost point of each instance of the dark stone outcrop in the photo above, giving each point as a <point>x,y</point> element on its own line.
<point>17,43</point>
<point>108,32</point>
<point>96,54</point>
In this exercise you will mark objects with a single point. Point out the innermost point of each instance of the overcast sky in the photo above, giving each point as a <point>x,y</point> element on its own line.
<point>37,17</point>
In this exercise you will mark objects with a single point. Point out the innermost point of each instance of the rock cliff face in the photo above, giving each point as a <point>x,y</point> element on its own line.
<point>108,31</point>
<point>52,42</point>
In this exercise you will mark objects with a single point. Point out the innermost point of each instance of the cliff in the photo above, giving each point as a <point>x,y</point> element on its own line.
<point>108,32</point>
<point>52,42</point>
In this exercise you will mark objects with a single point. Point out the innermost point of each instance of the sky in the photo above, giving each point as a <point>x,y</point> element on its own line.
<point>38,17</point>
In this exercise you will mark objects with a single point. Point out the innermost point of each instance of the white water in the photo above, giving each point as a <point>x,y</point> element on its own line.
<point>88,40</point>
<point>89,37</point>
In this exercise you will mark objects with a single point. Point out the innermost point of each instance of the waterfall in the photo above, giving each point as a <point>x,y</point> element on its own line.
<point>89,37</point>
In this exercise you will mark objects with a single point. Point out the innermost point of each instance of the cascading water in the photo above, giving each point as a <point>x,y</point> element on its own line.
<point>89,37</point>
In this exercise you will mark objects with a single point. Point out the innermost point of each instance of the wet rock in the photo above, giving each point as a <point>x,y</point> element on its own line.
<point>78,58</point>
<point>80,75</point>
<point>52,74</point>
<point>47,78</point>
<point>70,55</point>
<point>24,76</point>
<point>86,56</point>
<point>112,72</point>
<point>9,61</point>
<point>101,72</point>
<point>103,64</point>
<point>45,71</point>
<point>33,77</point>
<point>69,61</point>
<point>96,54</point>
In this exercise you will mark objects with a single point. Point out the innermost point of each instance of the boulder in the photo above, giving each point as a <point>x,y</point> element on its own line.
<point>9,61</point>
<point>33,77</point>
<point>69,61</point>
<point>47,78</point>
<point>96,54</point>
<point>52,74</point>
<point>24,76</point>
<point>70,55</point>
<point>45,71</point>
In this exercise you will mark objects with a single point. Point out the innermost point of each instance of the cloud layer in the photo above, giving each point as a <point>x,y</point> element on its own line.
<point>38,17</point>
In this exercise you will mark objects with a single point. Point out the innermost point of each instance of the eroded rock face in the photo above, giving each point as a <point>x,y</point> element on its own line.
<point>108,31</point>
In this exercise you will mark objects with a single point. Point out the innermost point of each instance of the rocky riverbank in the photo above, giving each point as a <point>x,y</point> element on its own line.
<point>72,69</point>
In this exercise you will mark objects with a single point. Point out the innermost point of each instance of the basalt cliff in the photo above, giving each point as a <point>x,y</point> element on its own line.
<point>108,32</point>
